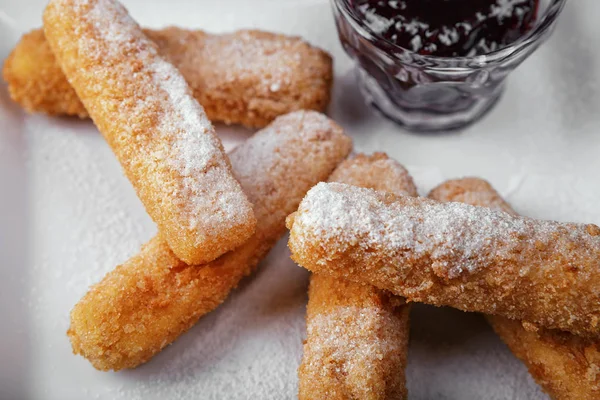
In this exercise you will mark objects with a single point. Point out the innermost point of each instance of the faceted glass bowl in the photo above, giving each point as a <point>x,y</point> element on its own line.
<point>429,93</point>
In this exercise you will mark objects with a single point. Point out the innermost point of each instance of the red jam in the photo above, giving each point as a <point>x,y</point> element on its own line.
<point>449,28</point>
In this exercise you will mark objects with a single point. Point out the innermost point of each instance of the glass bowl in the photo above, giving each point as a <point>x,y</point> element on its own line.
<point>430,93</point>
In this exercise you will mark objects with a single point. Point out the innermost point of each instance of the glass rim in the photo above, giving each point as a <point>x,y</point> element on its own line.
<point>538,32</point>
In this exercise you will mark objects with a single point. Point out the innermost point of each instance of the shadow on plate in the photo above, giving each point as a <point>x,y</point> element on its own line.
<point>15,251</point>
<point>456,355</point>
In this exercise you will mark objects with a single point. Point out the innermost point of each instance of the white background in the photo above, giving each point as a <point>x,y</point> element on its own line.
<point>67,216</point>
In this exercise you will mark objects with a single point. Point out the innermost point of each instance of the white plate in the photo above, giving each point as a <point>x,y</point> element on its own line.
<point>67,216</point>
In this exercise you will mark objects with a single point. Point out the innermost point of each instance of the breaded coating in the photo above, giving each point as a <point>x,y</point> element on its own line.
<point>36,81</point>
<point>160,134</point>
<point>377,172</point>
<point>146,303</point>
<point>356,344</point>
<point>453,254</point>
<point>473,191</point>
<point>247,77</point>
<point>566,366</point>
<point>357,339</point>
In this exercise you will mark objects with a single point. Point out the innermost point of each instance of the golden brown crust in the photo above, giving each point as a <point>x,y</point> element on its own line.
<point>159,133</point>
<point>247,77</point>
<point>376,171</point>
<point>146,303</point>
<point>35,80</point>
<point>473,191</point>
<point>470,258</point>
<point>357,339</point>
<point>357,342</point>
<point>566,366</point>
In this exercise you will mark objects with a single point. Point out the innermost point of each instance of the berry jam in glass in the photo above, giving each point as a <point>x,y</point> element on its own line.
<point>449,28</point>
<point>437,65</point>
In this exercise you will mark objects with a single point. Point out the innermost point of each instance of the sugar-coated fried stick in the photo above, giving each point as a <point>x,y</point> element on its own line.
<point>357,339</point>
<point>453,254</point>
<point>377,172</point>
<point>36,81</point>
<point>473,191</point>
<point>158,131</point>
<point>566,366</point>
<point>146,303</point>
<point>357,342</point>
<point>246,77</point>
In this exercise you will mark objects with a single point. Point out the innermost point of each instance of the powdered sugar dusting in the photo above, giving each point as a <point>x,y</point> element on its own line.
<point>350,339</point>
<point>195,152</point>
<point>249,76</point>
<point>272,65</point>
<point>321,143</point>
<point>347,331</point>
<point>194,149</point>
<point>160,134</point>
<point>456,237</point>
<point>305,126</point>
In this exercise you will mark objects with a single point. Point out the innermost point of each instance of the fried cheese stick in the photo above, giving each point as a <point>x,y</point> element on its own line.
<point>150,300</point>
<point>246,77</point>
<point>160,134</point>
<point>357,335</point>
<point>566,366</point>
<point>453,254</point>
